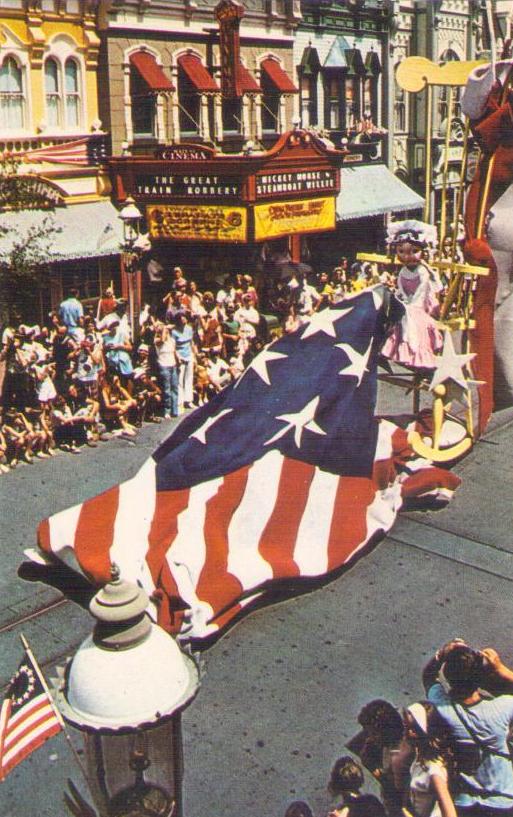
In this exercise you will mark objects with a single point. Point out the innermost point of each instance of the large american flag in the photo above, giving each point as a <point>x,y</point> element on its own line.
<point>284,475</point>
<point>27,718</point>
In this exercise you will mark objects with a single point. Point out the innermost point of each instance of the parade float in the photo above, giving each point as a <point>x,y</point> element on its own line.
<point>470,255</point>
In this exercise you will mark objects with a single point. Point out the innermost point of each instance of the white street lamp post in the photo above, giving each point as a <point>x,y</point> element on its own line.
<point>125,689</point>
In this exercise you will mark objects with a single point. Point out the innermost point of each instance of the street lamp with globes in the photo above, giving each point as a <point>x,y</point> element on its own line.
<point>131,216</point>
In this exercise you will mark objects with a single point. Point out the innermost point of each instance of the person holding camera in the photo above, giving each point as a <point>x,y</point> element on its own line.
<point>167,361</point>
<point>456,681</point>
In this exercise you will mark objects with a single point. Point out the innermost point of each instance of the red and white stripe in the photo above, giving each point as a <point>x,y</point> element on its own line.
<point>74,153</point>
<point>215,545</point>
<point>25,731</point>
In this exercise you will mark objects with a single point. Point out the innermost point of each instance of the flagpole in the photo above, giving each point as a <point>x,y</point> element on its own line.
<point>58,715</point>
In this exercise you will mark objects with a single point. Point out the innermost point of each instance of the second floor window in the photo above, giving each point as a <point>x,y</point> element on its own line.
<point>308,94</point>
<point>189,100</point>
<point>270,105</point>
<point>143,106</point>
<point>52,93</point>
<point>232,116</point>
<point>62,109</point>
<point>352,102</point>
<point>332,96</point>
<point>12,100</point>
<point>72,93</point>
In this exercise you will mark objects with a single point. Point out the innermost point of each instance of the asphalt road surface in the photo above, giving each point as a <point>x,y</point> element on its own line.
<point>283,688</point>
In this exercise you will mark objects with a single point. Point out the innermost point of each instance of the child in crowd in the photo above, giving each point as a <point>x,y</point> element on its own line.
<point>429,794</point>
<point>346,781</point>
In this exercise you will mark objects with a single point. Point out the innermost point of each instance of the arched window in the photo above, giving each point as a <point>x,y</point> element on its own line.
<point>144,112</point>
<point>270,105</point>
<point>53,93</point>
<point>189,101</point>
<point>12,100</point>
<point>71,81</point>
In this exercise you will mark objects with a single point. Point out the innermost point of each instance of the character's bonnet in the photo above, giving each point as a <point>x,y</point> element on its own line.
<point>418,232</point>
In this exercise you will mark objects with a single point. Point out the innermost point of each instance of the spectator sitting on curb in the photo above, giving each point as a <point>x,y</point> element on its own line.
<point>117,402</point>
<point>20,436</point>
<point>148,397</point>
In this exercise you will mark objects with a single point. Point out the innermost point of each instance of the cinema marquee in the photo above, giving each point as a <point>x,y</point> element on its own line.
<point>192,193</point>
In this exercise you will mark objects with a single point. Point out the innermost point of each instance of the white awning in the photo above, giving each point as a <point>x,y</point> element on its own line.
<point>77,231</point>
<point>372,190</point>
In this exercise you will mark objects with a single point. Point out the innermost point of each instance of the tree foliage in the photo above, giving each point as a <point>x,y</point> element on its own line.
<point>24,250</point>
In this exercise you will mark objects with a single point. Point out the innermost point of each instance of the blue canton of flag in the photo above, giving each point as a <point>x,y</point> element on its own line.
<point>310,395</point>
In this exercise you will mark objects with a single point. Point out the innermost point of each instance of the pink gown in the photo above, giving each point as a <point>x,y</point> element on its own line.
<point>416,338</point>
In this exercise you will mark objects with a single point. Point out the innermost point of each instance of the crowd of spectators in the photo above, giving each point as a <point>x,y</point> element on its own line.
<point>446,756</point>
<point>82,377</point>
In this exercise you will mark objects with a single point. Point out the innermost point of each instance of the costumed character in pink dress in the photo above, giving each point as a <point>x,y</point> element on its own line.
<point>416,338</point>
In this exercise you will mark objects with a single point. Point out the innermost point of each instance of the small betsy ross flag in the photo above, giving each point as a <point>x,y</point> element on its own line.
<point>28,716</point>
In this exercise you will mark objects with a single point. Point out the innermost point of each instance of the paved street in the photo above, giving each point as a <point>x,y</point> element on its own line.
<point>283,688</point>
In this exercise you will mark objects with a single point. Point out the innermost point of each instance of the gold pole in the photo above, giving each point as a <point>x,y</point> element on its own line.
<point>461,187</point>
<point>443,214</point>
<point>484,199</point>
<point>429,133</point>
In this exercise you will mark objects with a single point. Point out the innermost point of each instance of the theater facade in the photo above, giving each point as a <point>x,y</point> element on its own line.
<point>220,210</point>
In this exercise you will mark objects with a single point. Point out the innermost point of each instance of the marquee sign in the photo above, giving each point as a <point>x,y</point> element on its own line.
<point>184,153</point>
<point>291,217</point>
<point>229,197</point>
<point>155,186</point>
<point>192,222</point>
<point>301,181</point>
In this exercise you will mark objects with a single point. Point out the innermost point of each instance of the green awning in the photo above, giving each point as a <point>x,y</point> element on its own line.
<point>372,190</point>
<point>79,230</point>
